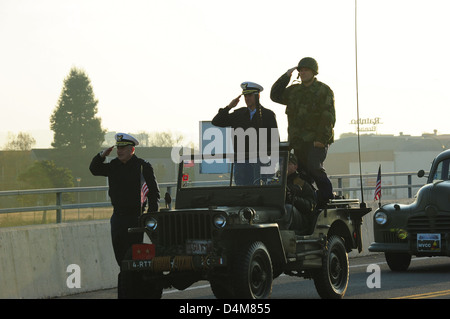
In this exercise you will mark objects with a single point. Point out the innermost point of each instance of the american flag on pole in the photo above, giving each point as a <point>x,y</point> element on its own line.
<point>144,192</point>
<point>144,189</point>
<point>378,186</point>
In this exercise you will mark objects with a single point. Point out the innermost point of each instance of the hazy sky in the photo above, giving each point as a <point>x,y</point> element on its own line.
<point>166,65</point>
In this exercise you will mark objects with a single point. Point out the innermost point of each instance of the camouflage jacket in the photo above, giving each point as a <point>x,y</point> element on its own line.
<point>310,110</point>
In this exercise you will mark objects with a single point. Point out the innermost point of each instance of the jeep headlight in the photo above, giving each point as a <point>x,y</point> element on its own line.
<point>381,218</point>
<point>151,223</point>
<point>219,220</point>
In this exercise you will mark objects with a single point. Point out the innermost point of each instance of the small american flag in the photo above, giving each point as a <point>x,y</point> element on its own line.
<point>144,192</point>
<point>378,186</point>
<point>144,189</point>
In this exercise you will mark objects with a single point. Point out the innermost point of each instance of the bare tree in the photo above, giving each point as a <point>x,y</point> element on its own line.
<point>165,139</point>
<point>22,142</point>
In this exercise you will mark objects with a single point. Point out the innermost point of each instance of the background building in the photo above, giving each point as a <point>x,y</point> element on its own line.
<point>402,153</point>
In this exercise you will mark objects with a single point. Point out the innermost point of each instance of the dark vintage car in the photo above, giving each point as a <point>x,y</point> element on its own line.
<point>421,228</point>
<point>236,237</point>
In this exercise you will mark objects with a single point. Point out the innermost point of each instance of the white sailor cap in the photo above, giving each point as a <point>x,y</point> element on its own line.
<point>123,139</point>
<point>251,88</point>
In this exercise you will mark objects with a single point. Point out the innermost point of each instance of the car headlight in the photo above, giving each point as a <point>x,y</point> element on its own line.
<point>219,221</point>
<point>151,223</point>
<point>381,218</point>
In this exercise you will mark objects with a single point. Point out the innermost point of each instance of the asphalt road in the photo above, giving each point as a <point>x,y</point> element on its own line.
<point>426,278</point>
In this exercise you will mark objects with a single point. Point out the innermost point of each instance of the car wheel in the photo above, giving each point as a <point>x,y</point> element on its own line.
<point>398,261</point>
<point>332,279</point>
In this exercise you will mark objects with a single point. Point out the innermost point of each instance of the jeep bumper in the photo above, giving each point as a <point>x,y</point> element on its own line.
<point>176,263</point>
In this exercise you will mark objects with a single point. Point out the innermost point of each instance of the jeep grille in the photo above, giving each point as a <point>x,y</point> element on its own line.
<point>425,224</point>
<point>175,227</point>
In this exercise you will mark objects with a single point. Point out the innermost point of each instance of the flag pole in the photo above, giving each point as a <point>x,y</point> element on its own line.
<point>379,197</point>
<point>363,204</point>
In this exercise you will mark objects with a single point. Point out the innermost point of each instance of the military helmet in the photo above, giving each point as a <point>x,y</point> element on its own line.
<point>309,63</point>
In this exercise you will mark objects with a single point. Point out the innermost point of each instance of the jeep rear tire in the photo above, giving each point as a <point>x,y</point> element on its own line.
<point>332,279</point>
<point>252,272</point>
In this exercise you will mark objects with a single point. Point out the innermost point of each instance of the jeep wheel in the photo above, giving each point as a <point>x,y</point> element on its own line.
<point>252,272</point>
<point>221,289</point>
<point>398,261</point>
<point>332,279</point>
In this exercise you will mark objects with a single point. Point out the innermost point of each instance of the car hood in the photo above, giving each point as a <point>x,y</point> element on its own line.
<point>436,194</point>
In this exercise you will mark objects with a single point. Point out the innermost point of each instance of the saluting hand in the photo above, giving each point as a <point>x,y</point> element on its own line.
<point>289,72</point>
<point>234,102</point>
<point>107,151</point>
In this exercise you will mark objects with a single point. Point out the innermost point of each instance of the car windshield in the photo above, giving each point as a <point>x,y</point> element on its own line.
<point>442,171</point>
<point>227,170</point>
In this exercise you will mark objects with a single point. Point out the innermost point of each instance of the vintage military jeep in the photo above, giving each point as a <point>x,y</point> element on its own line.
<point>236,237</point>
<point>421,228</point>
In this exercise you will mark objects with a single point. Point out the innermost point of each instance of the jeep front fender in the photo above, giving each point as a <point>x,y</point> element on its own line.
<point>269,234</point>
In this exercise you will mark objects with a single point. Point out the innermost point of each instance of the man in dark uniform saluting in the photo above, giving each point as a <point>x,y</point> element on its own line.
<point>125,176</point>
<point>254,116</point>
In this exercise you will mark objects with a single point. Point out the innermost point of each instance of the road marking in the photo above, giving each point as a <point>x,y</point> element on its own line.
<point>189,288</point>
<point>426,295</point>
<point>365,265</point>
<point>384,262</point>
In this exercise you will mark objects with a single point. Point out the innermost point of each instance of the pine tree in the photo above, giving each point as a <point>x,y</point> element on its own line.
<point>74,120</point>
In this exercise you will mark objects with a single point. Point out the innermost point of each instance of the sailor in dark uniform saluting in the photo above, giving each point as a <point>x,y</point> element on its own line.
<point>125,175</point>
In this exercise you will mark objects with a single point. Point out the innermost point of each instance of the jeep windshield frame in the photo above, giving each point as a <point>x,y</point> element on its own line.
<point>210,180</point>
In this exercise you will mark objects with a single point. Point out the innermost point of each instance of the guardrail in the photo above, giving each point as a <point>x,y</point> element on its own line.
<point>60,206</point>
<point>409,185</point>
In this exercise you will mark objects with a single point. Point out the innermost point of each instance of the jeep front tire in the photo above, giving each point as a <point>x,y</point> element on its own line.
<point>252,272</point>
<point>332,279</point>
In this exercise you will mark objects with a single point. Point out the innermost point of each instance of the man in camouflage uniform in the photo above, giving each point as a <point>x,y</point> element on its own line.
<point>311,118</point>
<point>300,198</point>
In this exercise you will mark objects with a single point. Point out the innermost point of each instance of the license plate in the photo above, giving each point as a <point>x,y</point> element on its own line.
<point>143,251</point>
<point>198,247</point>
<point>139,264</point>
<point>429,242</point>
